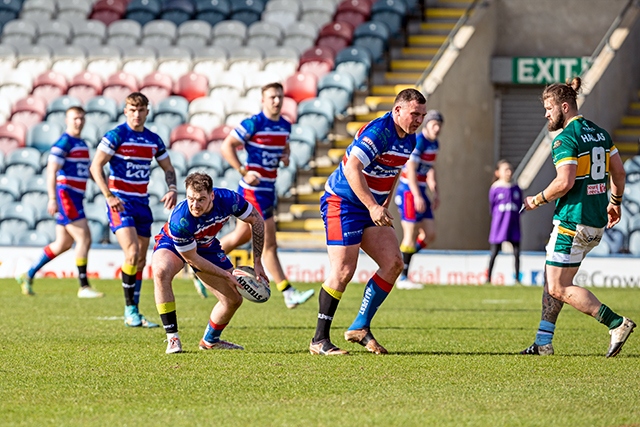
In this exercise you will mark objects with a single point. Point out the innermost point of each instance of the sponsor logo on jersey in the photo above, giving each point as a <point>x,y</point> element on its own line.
<point>593,189</point>
<point>593,138</point>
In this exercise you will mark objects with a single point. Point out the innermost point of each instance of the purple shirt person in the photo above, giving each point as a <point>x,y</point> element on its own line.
<point>505,199</point>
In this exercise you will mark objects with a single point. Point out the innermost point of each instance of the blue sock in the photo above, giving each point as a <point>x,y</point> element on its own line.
<point>375,293</point>
<point>45,257</point>
<point>545,333</point>
<point>213,331</point>
<point>138,287</point>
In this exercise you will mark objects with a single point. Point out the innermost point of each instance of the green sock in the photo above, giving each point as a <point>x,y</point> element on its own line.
<point>608,317</point>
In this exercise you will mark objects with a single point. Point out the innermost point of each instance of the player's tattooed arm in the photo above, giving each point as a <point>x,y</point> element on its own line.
<point>170,178</point>
<point>257,232</point>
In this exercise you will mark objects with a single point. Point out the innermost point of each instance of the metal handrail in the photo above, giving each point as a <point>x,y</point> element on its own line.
<point>448,41</point>
<point>604,42</point>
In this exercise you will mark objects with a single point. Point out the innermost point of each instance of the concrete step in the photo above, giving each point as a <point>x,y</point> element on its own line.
<point>629,148</point>
<point>343,141</point>
<point>354,127</point>
<point>317,182</point>
<point>634,106</point>
<point>325,170</point>
<point>368,117</point>
<point>313,197</point>
<point>437,27</point>
<point>446,14</point>
<point>630,121</point>
<point>336,155</point>
<point>390,89</point>
<point>305,211</point>
<point>622,134</point>
<point>309,224</point>
<point>421,40</point>
<point>418,52</point>
<point>396,77</point>
<point>409,64</point>
<point>379,102</point>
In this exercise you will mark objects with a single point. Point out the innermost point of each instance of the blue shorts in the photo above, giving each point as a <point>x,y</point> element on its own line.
<point>406,206</point>
<point>263,200</point>
<point>136,214</point>
<point>216,256</point>
<point>344,222</point>
<point>70,206</point>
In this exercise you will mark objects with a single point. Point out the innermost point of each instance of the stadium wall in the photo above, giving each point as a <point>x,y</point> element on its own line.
<point>466,97</point>
<point>434,267</point>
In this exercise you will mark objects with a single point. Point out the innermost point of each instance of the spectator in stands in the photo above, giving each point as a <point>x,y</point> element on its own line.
<point>415,208</point>
<point>189,236</point>
<point>67,175</point>
<point>586,161</point>
<point>355,213</point>
<point>129,149</point>
<point>505,200</point>
<point>265,137</point>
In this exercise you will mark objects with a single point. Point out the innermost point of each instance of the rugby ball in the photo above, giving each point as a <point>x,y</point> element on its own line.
<point>251,287</point>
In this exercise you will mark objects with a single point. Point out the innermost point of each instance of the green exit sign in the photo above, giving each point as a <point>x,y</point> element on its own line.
<point>533,70</point>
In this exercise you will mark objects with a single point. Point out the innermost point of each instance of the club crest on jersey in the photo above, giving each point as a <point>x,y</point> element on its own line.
<point>557,143</point>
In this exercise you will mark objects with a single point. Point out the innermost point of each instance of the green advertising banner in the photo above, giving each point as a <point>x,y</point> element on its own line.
<point>533,70</point>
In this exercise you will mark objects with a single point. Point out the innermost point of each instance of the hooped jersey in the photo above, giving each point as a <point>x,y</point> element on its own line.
<point>588,146</point>
<point>130,164</point>
<point>383,154</point>
<point>425,157</point>
<point>73,155</point>
<point>265,141</point>
<point>188,232</point>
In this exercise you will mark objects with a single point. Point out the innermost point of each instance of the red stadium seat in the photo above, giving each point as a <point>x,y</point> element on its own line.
<point>289,109</point>
<point>336,35</point>
<point>354,12</point>
<point>156,86</point>
<point>12,137</point>
<point>119,86</point>
<point>107,17</point>
<point>301,86</point>
<point>352,17</point>
<point>318,60</point>
<point>49,85</point>
<point>29,111</point>
<point>192,86</point>
<point>117,6</point>
<point>85,86</point>
<point>216,136</point>
<point>188,140</point>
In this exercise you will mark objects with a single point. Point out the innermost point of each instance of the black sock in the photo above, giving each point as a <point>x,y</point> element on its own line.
<point>328,307</point>
<point>82,276</point>
<point>406,258</point>
<point>170,322</point>
<point>129,287</point>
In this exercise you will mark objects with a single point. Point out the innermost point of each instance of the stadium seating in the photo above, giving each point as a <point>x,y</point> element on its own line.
<point>194,33</point>
<point>104,61</point>
<point>335,35</point>
<point>373,36</point>
<point>355,61</point>
<point>303,134</point>
<point>337,88</point>
<point>139,60</point>
<point>188,140</point>
<point>32,61</point>
<point>35,191</point>
<point>191,86</point>
<point>159,33</point>
<point>49,85</point>
<point>245,60</point>
<point>9,11</point>
<point>19,215</point>
<point>281,60</point>
<point>240,109</point>
<point>15,85</point>
<point>156,87</point>
<point>281,17</point>
<point>285,180</point>
<point>317,60</point>
<point>29,111</point>
<point>32,238</point>
<point>56,110</point>
<point>108,11</point>
<point>10,186</point>
<point>12,137</point>
<point>101,110</point>
<point>355,12</point>
<point>206,113</point>
<point>43,135</point>
<point>73,10</point>
<point>212,11</point>
<point>391,12</point>
<point>246,11</point>
<point>207,160</point>
<point>119,85</point>
<point>300,36</point>
<point>264,35</point>
<point>301,86</point>
<point>178,11</point>
<point>171,111</point>
<point>143,11</point>
<point>317,113</point>
<point>69,61</point>
<point>209,61</point>
<point>229,34</point>
<point>318,12</point>
<point>85,86</point>
<point>124,33</point>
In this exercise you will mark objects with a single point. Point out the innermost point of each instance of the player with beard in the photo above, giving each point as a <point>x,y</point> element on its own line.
<point>189,236</point>
<point>586,161</point>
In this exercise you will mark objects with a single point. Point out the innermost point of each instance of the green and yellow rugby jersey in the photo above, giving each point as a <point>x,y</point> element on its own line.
<point>588,146</point>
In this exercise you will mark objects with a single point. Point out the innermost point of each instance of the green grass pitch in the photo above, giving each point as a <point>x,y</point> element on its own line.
<point>71,362</point>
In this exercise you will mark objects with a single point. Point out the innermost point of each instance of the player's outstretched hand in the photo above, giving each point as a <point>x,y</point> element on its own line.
<point>381,216</point>
<point>614,213</point>
<point>169,200</point>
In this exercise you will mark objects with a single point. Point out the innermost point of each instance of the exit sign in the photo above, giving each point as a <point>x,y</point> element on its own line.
<point>540,70</point>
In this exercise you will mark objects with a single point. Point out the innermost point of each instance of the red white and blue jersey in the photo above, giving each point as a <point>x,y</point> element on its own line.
<point>188,232</point>
<point>265,141</point>
<point>130,164</point>
<point>425,157</point>
<point>382,152</point>
<point>73,155</point>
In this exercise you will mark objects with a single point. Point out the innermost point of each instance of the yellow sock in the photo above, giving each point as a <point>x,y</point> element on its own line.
<point>283,285</point>
<point>334,293</point>
<point>166,307</point>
